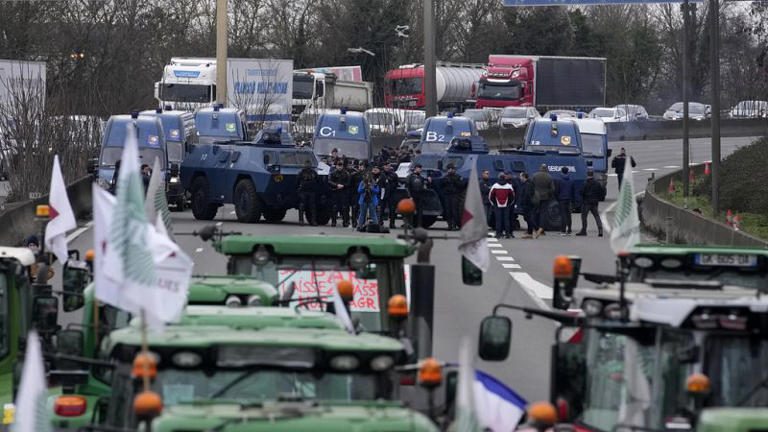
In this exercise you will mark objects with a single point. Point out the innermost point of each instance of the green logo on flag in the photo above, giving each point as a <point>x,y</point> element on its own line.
<point>129,231</point>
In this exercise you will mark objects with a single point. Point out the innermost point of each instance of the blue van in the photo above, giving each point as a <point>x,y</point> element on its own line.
<point>220,124</point>
<point>180,136</point>
<point>440,131</point>
<point>346,131</point>
<point>151,138</point>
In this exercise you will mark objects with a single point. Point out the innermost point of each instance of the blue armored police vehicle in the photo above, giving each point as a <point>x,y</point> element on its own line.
<point>440,131</point>
<point>345,131</point>
<point>180,136</point>
<point>151,140</point>
<point>594,146</point>
<point>217,123</point>
<point>259,177</point>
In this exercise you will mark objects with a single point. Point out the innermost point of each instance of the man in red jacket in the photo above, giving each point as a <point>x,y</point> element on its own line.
<point>502,198</point>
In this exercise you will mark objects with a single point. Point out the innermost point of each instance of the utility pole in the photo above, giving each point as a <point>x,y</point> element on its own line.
<point>221,51</point>
<point>686,141</point>
<point>714,17</point>
<point>430,78</point>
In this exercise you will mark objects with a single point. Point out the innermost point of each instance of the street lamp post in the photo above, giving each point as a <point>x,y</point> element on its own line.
<point>714,17</point>
<point>430,78</point>
<point>221,51</point>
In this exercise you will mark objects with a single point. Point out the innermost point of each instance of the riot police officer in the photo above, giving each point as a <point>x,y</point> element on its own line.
<point>340,183</point>
<point>388,189</point>
<point>308,188</point>
<point>417,187</point>
<point>452,186</point>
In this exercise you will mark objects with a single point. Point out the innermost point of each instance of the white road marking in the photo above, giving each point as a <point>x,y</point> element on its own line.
<point>493,239</point>
<point>671,166</point>
<point>511,266</point>
<point>495,245</point>
<point>499,252</point>
<point>612,174</point>
<point>650,169</point>
<point>537,290</point>
<point>78,232</point>
<point>500,258</point>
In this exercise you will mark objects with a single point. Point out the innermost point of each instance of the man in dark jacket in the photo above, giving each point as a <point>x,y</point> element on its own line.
<point>417,187</point>
<point>525,203</point>
<point>485,189</point>
<point>619,162</point>
<point>591,195</point>
<point>340,183</point>
<point>308,188</point>
<point>543,192</point>
<point>565,196</point>
<point>452,186</point>
<point>388,187</point>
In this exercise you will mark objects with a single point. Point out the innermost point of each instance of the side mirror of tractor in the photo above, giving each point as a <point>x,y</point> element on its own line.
<point>470,273</point>
<point>75,278</point>
<point>495,338</point>
<point>45,313</point>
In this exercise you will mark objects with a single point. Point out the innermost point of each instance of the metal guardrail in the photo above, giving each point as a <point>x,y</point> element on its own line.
<point>681,225</point>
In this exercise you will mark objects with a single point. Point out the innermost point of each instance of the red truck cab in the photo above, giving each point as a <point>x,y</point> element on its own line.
<point>405,87</point>
<point>507,81</point>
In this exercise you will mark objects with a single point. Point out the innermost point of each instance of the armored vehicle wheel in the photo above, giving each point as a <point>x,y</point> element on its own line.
<point>428,221</point>
<point>178,204</point>
<point>247,203</point>
<point>202,208</point>
<point>274,215</point>
<point>323,216</point>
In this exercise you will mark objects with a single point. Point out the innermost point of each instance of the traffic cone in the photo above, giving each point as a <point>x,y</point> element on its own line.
<point>707,171</point>
<point>737,222</point>
<point>671,188</point>
<point>729,218</point>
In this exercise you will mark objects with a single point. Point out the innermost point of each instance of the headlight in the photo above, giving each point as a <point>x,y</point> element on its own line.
<point>613,311</point>
<point>592,307</point>
<point>103,183</point>
<point>174,180</point>
<point>254,300</point>
<point>186,359</point>
<point>344,362</point>
<point>382,363</point>
<point>233,301</point>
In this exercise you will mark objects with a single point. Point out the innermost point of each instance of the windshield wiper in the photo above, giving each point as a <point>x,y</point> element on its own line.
<point>240,378</point>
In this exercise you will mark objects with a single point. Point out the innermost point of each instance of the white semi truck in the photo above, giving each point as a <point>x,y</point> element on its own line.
<point>313,91</point>
<point>262,88</point>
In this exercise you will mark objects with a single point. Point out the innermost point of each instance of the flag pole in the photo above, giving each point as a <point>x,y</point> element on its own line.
<point>145,348</point>
<point>96,321</point>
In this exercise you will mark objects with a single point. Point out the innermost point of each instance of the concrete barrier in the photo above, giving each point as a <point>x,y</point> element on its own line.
<point>18,219</point>
<point>682,225</point>
<point>626,131</point>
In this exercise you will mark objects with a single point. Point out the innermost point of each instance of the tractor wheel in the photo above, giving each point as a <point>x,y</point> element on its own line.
<point>274,215</point>
<point>247,202</point>
<point>202,208</point>
<point>323,216</point>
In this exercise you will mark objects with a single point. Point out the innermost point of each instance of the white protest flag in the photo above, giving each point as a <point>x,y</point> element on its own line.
<point>150,271</point>
<point>466,416</point>
<point>474,229</point>
<point>156,203</point>
<point>62,218</point>
<point>32,413</point>
<point>636,399</point>
<point>108,289</point>
<point>625,232</point>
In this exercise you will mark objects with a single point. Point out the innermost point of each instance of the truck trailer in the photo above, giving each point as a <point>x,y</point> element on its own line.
<point>314,91</point>
<point>260,87</point>
<point>547,83</point>
<point>404,86</point>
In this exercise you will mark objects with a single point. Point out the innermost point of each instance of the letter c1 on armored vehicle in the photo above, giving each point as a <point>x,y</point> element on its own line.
<point>259,177</point>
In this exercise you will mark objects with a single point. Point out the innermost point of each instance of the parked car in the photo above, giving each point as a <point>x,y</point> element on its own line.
<point>749,109</point>
<point>563,114</point>
<point>633,112</point>
<point>483,118</point>
<point>696,111</point>
<point>517,117</point>
<point>608,115</point>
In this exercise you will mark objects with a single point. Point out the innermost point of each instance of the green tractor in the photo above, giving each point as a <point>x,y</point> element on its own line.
<point>676,332</point>
<point>214,377</point>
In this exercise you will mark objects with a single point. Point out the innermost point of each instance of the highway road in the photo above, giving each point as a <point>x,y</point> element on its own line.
<point>519,274</point>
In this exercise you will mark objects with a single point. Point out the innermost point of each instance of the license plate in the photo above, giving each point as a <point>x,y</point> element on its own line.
<point>727,260</point>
